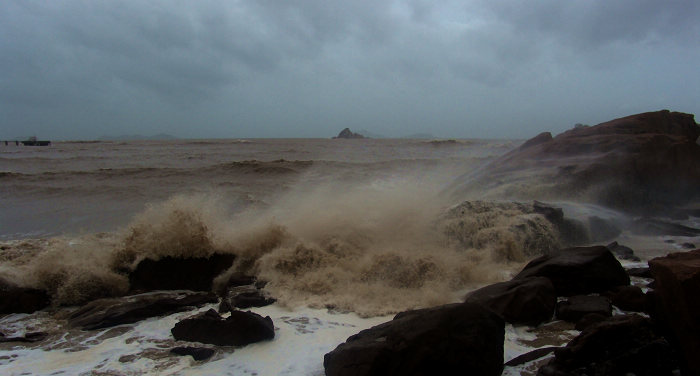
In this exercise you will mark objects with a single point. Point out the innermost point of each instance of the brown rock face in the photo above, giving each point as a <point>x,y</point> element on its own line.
<point>635,163</point>
<point>16,299</point>
<point>676,303</point>
<point>528,301</point>
<point>455,339</point>
<point>579,270</point>
<point>171,273</point>
<point>239,329</point>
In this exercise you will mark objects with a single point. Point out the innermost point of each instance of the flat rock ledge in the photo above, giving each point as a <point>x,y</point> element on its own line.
<point>108,312</point>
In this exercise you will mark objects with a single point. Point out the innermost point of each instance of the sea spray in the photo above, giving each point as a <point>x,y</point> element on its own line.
<point>373,249</point>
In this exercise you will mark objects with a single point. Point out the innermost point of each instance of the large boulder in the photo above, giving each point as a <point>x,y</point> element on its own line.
<point>172,273</point>
<point>621,345</point>
<point>676,303</point>
<point>16,299</point>
<point>456,339</point>
<point>104,313</point>
<point>639,163</point>
<point>578,271</point>
<point>528,301</point>
<point>239,329</point>
<point>628,298</point>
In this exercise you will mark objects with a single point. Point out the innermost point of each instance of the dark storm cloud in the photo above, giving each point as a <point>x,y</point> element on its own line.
<point>308,68</point>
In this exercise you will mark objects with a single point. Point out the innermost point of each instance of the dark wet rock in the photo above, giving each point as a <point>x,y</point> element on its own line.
<point>623,252</point>
<point>528,301</point>
<point>235,280</point>
<point>575,307</point>
<point>171,273</point>
<point>453,339</point>
<point>590,319</point>
<point>675,302</point>
<point>530,356</point>
<point>347,133</point>
<point>642,272</point>
<point>621,345</point>
<point>197,353</point>
<point>628,298</point>
<point>16,299</point>
<point>28,337</point>
<point>240,329</point>
<point>657,226</point>
<point>688,245</point>
<point>640,163</point>
<point>104,313</point>
<point>580,270</point>
<point>244,297</point>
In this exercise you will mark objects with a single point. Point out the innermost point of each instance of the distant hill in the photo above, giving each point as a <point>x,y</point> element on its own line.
<point>161,136</point>
<point>347,133</point>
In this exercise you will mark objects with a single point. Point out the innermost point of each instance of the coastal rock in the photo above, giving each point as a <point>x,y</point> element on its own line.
<point>628,298</point>
<point>639,163</point>
<point>641,272</point>
<point>240,329</point>
<point>676,303</point>
<point>244,297</point>
<point>28,337</point>
<point>621,345</point>
<point>16,299</point>
<point>452,339</point>
<point>528,301</point>
<point>347,133</point>
<point>589,319</point>
<point>197,353</point>
<point>171,273</point>
<point>623,252</point>
<point>576,307</point>
<point>104,313</point>
<point>579,270</point>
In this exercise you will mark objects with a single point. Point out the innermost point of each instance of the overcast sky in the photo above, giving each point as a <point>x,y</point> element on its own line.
<point>207,69</point>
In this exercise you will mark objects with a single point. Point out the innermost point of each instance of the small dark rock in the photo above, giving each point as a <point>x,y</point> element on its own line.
<point>642,272</point>
<point>576,307</point>
<point>244,297</point>
<point>623,252</point>
<point>688,245</point>
<point>198,353</point>
<point>628,298</point>
<point>527,301</point>
<point>240,329</point>
<point>28,337</point>
<point>530,356</point>
<point>580,270</point>
<point>347,133</point>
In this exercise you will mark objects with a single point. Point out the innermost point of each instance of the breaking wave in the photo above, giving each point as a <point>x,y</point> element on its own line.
<point>372,249</point>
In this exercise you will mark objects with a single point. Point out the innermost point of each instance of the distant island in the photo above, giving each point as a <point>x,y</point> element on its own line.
<point>133,137</point>
<point>347,133</point>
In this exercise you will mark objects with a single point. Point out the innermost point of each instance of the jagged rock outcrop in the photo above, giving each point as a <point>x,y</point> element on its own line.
<point>104,313</point>
<point>464,339</point>
<point>639,163</point>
